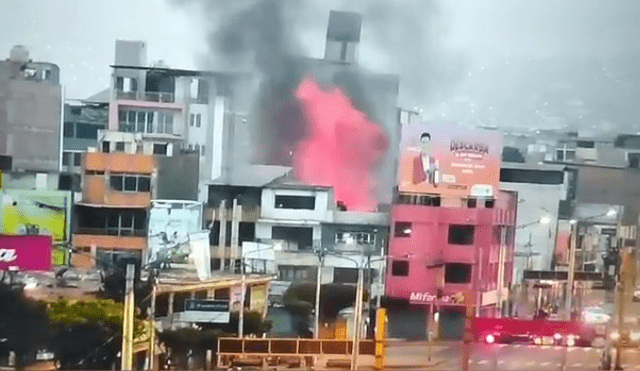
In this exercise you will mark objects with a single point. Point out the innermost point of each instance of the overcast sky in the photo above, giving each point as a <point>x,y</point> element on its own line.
<point>79,35</point>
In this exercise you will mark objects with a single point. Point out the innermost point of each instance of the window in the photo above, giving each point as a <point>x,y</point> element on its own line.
<point>461,234</point>
<point>115,182</point>
<point>192,119</point>
<point>130,183</point>
<point>120,83</point>
<point>69,131</point>
<point>457,273</point>
<point>77,159</point>
<point>197,148</point>
<point>144,184</point>
<point>345,275</point>
<point>302,236</point>
<point>159,149</point>
<point>105,147</point>
<point>400,268</point>
<point>86,131</point>
<point>586,144</point>
<point>149,122</point>
<point>198,120</point>
<point>292,273</point>
<point>119,146</point>
<point>65,158</point>
<point>402,229</point>
<point>362,238</point>
<point>295,202</point>
<point>202,150</point>
<point>165,123</point>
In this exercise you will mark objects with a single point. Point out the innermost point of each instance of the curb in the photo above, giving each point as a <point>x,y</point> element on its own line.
<point>428,365</point>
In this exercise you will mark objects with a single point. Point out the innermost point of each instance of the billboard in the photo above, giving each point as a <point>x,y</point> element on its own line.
<point>449,160</point>
<point>27,253</point>
<point>36,212</point>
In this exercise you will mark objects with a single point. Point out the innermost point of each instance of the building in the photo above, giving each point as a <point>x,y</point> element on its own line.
<point>450,257</point>
<point>541,190</point>
<point>196,110</point>
<point>82,121</point>
<point>31,101</point>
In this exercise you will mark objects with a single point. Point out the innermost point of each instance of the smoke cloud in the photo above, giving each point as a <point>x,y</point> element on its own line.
<point>272,38</point>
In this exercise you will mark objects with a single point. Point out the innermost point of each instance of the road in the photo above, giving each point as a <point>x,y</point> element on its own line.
<point>507,357</point>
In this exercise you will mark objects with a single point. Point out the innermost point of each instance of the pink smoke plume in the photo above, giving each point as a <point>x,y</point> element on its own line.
<point>342,148</point>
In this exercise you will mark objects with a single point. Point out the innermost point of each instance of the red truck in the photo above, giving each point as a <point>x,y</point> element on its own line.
<point>535,331</point>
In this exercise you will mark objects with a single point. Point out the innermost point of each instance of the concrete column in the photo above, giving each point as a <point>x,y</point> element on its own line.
<point>222,245</point>
<point>235,230</point>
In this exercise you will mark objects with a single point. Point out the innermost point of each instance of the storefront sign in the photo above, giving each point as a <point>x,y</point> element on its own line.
<point>27,253</point>
<point>428,298</point>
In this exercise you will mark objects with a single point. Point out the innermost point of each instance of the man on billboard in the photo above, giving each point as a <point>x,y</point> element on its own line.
<point>425,166</point>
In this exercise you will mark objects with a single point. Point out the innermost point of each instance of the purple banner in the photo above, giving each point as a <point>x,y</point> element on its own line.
<point>27,253</point>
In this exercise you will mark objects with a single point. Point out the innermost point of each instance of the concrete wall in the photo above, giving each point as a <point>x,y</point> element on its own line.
<point>178,176</point>
<point>269,211</point>
<point>30,124</point>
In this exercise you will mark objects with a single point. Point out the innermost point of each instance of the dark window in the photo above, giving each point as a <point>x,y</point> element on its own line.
<point>68,129</point>
<point>105,147</point>
<point>457,273</point>
<point>461,234</point>
<point>571,155</point>
<point>116,182</point>
<point>192,119</point>
<point>159,149</point>
<point>303,236</point>
<point>489,203</point>
<point>86,131</point>
<point>65,158</point>
<point>586,144</point>
<point>202,150</point>
<point>122,116</point>
<point>472,203</point>
<point>150,122</point>
<point>634,160</point>
<point>402,229</point>
<point>130,183</point>
<point>559,155</point>
<point>77,159</point>
<point>120,83</point>
<point>119,146</point>
<point>345,275</point>
<point>295,202</point>
<point>76,110</point>
<point>531,176</point>
<point>134,85</point>
<point>400,268</point>
<point>198,120</point>
<point>144,184</point>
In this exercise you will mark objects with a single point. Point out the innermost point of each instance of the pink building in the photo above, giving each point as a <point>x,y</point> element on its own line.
<point>448,256</point>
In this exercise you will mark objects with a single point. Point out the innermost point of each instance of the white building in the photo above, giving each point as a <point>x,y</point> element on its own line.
<point>540,189</point>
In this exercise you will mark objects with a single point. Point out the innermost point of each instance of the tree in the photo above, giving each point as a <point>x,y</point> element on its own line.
<point>23,323</point>
<point>87,334</point>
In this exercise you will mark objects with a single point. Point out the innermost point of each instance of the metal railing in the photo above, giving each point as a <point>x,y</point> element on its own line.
<point>160,97</point>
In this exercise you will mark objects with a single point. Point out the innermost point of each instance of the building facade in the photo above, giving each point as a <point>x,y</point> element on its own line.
<point>31,101</point>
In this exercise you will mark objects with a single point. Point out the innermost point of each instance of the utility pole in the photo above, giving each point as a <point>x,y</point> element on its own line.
<point>235,230</point>
<point>356,320</point>
<point>321,254</point>
<point>127,322</point>
<point>152,320</point>
<point>626,281</point>
<point>572,268</point>
<point>222,240</point>
<point>243,289</point>
<point>503,241</point>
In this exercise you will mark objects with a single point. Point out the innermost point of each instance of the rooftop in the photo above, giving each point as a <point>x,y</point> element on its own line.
<point>252,176</point>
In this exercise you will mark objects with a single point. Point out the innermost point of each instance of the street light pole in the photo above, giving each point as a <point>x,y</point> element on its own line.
<point>356,320</point>
<point>571,273</point>
<point>318,287</point>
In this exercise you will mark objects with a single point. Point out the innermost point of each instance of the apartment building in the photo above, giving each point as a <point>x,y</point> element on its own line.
<point>195,110</point>
<point>31,101</point>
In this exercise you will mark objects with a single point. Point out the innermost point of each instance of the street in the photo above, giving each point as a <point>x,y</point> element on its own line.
<point>507,357</point>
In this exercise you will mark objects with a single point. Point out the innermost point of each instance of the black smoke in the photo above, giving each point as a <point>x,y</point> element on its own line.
<point>271,38</point>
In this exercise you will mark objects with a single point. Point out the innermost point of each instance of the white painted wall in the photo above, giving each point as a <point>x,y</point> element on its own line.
<point>264,229</point>
<point>536,201</point>
<point>320,213</point>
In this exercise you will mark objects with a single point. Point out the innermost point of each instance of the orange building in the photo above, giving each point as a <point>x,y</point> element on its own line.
<point>112,218</point>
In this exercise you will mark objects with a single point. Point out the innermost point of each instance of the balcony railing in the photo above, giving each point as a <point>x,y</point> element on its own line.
<point>160,97</point>
<point>112,232</point>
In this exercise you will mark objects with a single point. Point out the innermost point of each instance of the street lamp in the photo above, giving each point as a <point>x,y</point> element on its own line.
<point>243,288</point>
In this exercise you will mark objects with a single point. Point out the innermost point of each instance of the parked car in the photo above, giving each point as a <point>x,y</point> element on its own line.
<point>636,294</point>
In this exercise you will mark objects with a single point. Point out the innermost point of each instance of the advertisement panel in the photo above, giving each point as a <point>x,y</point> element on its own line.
<point>27,253</point>
<point>258,298</point>
<point>36,212</point>
<point>450,161</point>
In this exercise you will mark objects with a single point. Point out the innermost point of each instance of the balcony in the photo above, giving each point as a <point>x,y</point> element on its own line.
<point>159,97</point>
<point>112,232</point>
